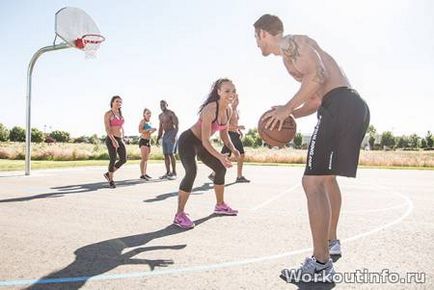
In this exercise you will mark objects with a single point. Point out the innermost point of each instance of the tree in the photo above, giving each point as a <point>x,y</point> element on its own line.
<point>254,138</point>
<point>17,134</point>
<point>60,136</point>
<point>387,140</point>
<point>94,139</point>
<point>371,142</point>
<point>402,142</point>
<point>298,140</point>
<point>37,135</point>
<point>413,141</point>
<point>248,141</point>
<point>4,133</point>
<point>371,131</point>
<point>422,143</point>
<point>429,140</point>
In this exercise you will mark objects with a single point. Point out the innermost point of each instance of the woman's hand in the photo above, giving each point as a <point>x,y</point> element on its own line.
<point>225,160</point>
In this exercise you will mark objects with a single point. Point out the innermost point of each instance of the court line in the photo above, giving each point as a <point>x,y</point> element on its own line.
<point>274,198</point>
<point>202,268</point>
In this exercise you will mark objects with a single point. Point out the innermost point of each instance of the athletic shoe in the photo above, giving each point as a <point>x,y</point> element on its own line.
<point>335,247</point>
<point>148,177</point>
<point>165,176</point>
<point>171,176</point>
<point>106,176</point>
<point>183,221</point>
<point>310,271</point>
<point>224,209</point>
<point>242,179</point>
<point>211,177</point>
<point>112,184</point>
<point>143,177</point>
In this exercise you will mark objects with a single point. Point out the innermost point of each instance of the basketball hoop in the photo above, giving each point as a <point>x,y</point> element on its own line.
<point>89,43</point>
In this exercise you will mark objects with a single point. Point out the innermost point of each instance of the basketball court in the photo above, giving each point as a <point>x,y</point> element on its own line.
<point>65,229</point>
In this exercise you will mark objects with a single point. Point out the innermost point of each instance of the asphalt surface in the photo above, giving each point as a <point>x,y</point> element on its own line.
<point>65,229</point>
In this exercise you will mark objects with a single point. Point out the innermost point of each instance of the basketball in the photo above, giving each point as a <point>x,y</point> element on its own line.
<point>275,137</point>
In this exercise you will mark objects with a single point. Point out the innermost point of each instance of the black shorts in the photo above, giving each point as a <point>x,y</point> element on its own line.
<point>144,142</point>
<point>236,140</point>
<point>334,148</point>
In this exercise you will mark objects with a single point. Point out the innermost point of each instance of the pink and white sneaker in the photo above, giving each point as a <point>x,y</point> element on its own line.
<point>183,221</point>
<point>224,209</point>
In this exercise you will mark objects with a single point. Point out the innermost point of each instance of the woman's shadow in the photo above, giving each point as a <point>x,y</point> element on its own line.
<point>101,257</point>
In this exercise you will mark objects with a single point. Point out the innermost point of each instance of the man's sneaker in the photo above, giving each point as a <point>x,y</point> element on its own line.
<point>165,176</point>
<point>224,209</point>
<point>148,177</point>
<point>171,176</point>
<point>142,177</point>
<point>335,247</point>
<point>310,271</point>
<point>242,179</point>
<point>112,184</point>
<point>183,221</point>
<point>106,176</point>
<point>211,177</point>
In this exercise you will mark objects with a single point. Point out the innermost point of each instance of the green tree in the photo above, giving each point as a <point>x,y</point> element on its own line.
<point>402,142</point>
<point>422,143</point>
<point>429,140</point>
<point>17,134</point>
<point>298,140</point>
<point>371,142</point>
<point>60,136</point>
<point>4,133</point>
<point>37,135</point>
<point>94,139</point>
<point>387,139</point>
<point>371,131</point>
<point>248,141</point>
<point>413,141</point>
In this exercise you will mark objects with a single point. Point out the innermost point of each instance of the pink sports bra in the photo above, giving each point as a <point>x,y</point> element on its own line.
<point>215,126</point>
<point>116,122</point>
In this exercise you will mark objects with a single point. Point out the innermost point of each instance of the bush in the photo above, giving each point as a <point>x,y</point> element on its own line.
<point>248,141</point>
<point>60,136</point>
<point>4,133</point>
<point>17,134</point>
<point>81,139</point>
<point>37,136</point>
<point>429,140</point>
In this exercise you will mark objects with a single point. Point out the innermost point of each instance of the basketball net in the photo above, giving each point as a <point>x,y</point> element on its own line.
<point>89,43</point>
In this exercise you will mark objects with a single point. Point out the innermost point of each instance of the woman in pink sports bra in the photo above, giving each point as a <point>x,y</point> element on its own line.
<point>214,115</point>
<point>113,122</point>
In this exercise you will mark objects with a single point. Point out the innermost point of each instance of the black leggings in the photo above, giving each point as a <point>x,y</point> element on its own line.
<point>189,147</point>
<point>112,153</point>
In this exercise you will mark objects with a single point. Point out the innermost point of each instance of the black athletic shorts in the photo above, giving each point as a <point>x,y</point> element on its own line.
<point>334,148</point>
<point>236,140</point>
<point>144,142</point>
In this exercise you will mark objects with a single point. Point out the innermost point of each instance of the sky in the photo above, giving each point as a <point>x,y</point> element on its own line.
<point>174,50</point>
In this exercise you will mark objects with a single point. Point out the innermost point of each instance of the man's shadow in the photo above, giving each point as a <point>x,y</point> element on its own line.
<point>96,259</point>
<point>60,191</point>
<point>195,191</point>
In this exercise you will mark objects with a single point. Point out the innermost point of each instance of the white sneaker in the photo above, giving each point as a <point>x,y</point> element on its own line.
<point>335,247</point>
<point>310,271</point>
<point>171,176</point>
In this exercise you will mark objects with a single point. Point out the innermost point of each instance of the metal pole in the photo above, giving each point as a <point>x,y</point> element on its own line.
<point>29,97</point>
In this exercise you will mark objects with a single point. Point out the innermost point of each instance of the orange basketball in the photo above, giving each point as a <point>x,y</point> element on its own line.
<point>275,137</point>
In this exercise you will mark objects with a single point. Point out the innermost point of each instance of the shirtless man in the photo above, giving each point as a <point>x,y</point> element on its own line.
<point>235,134</point>
<point>168,125</point>
<point>343,118</point>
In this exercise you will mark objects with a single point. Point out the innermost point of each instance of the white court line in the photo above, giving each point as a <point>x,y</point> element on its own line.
<point>274,198</point>
<point>202,268</point>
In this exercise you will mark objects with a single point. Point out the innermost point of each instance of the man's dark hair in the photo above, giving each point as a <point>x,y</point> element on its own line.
<point>270,23</point>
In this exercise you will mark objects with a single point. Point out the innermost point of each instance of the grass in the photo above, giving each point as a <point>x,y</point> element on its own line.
<point>74,155</point>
